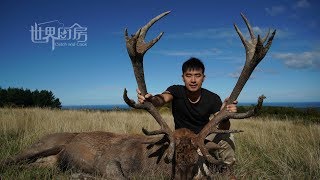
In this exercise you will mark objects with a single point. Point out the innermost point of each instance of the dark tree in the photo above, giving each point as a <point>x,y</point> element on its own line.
<point>19,97</point>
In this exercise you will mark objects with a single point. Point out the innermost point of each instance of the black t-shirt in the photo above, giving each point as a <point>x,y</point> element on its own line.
<point>189,115</point>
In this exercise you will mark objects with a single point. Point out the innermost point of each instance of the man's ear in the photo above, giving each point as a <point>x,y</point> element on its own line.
<point>182,78</point>
<point>204,77</point>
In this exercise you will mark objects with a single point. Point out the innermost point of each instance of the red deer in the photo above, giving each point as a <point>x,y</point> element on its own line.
<point>122,156</point>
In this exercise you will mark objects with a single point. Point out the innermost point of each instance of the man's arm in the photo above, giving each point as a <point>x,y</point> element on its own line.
<point>157,100</point>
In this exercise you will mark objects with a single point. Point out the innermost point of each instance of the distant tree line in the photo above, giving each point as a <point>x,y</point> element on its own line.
<point>304,115</point>
<point>19,97</point>
<point>308,114</point>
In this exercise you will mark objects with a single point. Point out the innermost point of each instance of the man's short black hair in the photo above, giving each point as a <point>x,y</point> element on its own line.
<point>193,64</point>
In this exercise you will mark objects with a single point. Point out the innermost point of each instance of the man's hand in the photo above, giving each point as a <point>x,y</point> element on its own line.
<point>225,125</point>
<point>231,107</point>
<point>142,98</point>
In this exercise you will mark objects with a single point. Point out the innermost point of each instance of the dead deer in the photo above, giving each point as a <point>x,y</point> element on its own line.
<point>121,156</point>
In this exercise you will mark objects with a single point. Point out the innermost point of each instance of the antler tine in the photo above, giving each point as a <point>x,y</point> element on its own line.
<point>152,110</point>
<point>211,126</point>
<point>243,40</point>
<point>258,56</point>
<point>266,37</point>
<point>156,132</point>
<point>206,154</point>
<point>253,38</point>
<point>150,23</point>
<point>126,34</point>
<point>154,41</point>
<point>249,113</point>
<point>268,45</point>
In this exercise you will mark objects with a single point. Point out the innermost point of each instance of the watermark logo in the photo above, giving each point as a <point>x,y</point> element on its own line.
<point>59,35</point>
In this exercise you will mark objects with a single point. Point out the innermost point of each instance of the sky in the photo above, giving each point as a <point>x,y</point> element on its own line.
<point>89,64</point>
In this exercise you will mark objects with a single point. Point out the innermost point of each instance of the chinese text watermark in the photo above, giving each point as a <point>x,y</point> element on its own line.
<point>58,34</point>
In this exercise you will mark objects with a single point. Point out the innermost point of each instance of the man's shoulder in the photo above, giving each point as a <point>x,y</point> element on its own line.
<point>175,87</point>
<point>175,90</point>
<point>209,93</point>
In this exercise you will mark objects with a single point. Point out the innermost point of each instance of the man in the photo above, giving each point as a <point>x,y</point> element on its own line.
<point>192,106</point>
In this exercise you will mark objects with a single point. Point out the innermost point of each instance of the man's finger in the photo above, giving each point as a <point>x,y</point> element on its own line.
<point>141,97</point>
<point>138,91</point>
<point>148,96</point>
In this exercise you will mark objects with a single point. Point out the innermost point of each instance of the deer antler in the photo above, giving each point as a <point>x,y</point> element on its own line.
<point>137,47</point>
<point>255,52</point>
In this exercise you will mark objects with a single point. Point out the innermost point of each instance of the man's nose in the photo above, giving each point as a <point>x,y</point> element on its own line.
<point>193,79</point>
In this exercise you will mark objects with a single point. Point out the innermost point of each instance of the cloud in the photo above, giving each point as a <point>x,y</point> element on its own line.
<point>237,73</point>
<point>301,4</point>
<point>275,10</point>
<point>281,33</point>
<point>284,34</point>
<point>270,71</point>
<point>304,60</point>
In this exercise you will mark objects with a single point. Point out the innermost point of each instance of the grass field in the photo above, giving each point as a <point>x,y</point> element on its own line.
<point>267,149</point>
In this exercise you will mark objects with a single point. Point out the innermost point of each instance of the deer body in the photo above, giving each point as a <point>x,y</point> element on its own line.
<point>103,153</point>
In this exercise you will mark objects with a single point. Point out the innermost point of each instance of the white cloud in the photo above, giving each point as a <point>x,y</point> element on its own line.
<point>301,4</point>
<point>235,74</point>
<point>275,10</point>
<point>270,71</point>
<point>257,30</point>
<point>281,33</point>
<point>304,60</point>
<point>284,33</point>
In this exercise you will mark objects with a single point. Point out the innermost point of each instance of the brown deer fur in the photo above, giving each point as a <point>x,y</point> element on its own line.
<point>102,153</point>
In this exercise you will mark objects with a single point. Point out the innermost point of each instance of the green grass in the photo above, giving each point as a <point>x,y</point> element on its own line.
<point>269,148</point>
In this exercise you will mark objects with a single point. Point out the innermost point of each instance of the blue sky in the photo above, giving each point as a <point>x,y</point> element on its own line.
<point>98,72</point>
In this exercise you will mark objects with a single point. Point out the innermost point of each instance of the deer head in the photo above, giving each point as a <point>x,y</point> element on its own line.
<point>182,144</point>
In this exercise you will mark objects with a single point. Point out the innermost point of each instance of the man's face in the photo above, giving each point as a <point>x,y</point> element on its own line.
<point>193,79</point>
